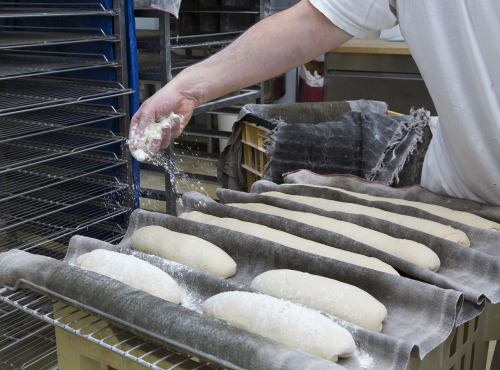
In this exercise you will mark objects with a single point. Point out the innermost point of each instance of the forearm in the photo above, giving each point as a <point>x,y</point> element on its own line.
<point>273,46</point>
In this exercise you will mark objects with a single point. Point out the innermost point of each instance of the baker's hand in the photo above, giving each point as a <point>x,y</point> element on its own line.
<point>160,118</point>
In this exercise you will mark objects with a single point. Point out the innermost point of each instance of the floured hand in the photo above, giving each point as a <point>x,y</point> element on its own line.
<point>145,139</point>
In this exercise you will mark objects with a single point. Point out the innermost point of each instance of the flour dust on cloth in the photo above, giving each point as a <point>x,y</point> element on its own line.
<point>153,131</point>
<point>368,145</point>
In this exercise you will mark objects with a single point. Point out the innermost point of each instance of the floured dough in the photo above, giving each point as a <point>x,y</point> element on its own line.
<point>185,249</point>
<point>132,271</point>
<point>426,226</point>
<point>282,321</point>
<point>154,129</point>
<point>345,301</point>
<point>408,250</point>
<point>291,241</point>
<point>448,213</point>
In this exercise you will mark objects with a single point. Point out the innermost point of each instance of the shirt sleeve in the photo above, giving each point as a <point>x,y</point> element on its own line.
<point>359,17</point>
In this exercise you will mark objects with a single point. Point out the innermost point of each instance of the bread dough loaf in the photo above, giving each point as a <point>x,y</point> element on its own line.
<point>405,249</point>
<point>291,241</point>
<point>185,249</point>
<point>448,213</point>
<point>282,321</point>
<point>427,226</point>
<point>132,271</point>
<point>345,301</point>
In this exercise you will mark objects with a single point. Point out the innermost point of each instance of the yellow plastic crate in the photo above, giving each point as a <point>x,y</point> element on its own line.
<point>254,155</point>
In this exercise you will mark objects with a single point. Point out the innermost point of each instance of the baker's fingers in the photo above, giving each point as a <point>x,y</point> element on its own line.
<point>176,126</point>
<point>154,145</point>
<point>138,127</point>
<point>165,136</point>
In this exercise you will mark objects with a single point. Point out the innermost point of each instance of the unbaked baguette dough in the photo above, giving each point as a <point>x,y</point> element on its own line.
<point>430,227</point>
<point>448,213</point>
<point>132,271</point>
<point>408,250</point>
<point>291,241</point>
<point>185,249</point>
<point>345,301</point>
<point>282,321</point>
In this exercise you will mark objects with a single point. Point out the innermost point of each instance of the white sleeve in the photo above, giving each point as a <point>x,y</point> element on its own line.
<point>359,17</point>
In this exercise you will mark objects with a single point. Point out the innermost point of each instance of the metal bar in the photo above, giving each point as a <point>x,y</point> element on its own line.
<point>166,77</point>
<point>120,28</point>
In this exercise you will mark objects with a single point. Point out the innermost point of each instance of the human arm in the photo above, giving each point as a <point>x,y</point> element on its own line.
<point>273,46</point>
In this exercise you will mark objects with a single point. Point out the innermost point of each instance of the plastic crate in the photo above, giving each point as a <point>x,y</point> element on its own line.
<point>254,155</point>
<point>467,346</point>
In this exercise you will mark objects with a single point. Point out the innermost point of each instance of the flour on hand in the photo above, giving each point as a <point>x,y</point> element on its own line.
<point>153,132</point>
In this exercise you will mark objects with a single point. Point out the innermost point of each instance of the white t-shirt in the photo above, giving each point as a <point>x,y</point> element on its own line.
<point>455,45</point>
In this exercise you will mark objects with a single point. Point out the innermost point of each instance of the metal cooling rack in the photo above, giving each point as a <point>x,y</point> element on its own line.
<point>76,195</point>
<point>26,181</point>
<point>26,64</point>
<point>24,153</point>
<point>25,342</point>
<point>22,39</point>
<point>99,332</point>
<point>47,92</point>
<point>27,124</point>
<point>34,10</point>
<point>50,235</point>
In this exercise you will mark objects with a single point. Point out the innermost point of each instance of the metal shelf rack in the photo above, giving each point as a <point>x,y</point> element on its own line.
<point>88,328</point>
<point>64,165</point>
<point>201,29</point>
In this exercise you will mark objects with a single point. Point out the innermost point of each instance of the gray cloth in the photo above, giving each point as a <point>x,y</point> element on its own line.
<point>230,172</point>
<point>151,317</point>
<point>458,263</point>
<point>368,145</point>
<point>417,322</point>
<point>419,314</point>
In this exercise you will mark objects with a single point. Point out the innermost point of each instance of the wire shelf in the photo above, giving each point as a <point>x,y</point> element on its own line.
<point>23,39</point>
<point>76,195</point>
<point>35,10</point>
<point>47,92</point>
<point>99,332</point>
<point>25,342</point>
<point>26,181</point>
<point>23,65</point>
<point>41,149</point>
<point>50,235</point>
<point>27,124</point>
